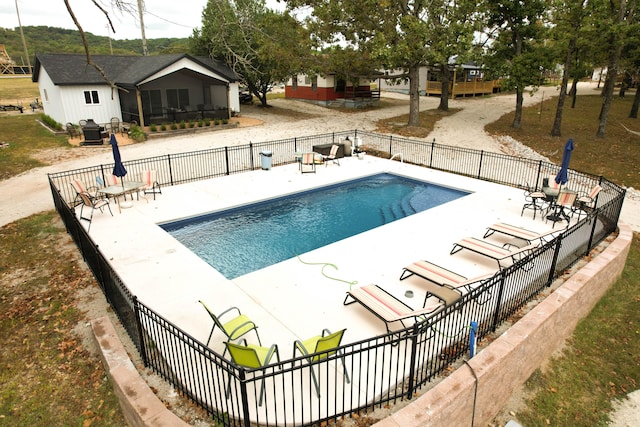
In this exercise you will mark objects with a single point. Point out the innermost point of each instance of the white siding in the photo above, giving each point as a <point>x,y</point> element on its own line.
<point>234,97</point>
<point>404,86</point>
<point>76,109</point>
<point>50,97</point>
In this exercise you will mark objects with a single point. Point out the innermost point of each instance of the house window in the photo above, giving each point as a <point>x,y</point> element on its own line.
<point>294,83</point>
<point>91,97</point>
<point>307,80</point>
<point>46,95</point>
<point>314,83</point>
<point>177,98</point>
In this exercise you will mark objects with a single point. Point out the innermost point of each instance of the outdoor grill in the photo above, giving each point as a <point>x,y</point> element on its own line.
<point>93,133</point>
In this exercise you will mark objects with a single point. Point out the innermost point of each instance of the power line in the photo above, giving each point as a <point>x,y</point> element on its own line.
<point>166,20</point>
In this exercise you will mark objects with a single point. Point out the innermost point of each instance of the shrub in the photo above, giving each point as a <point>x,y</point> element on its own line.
<point>153,128</point>
<point>174,126</point>
<point>137,134</point>
<point>48,120</point>
<point>207,122</point>
<point>192,124</point>
<point>183,125</point>
<point>200,123</point>
<point>225,121</point>
<point>216,122</point>
<point>163,127</point>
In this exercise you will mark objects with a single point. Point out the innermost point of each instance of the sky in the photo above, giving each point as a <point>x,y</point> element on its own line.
<point>162,18</point>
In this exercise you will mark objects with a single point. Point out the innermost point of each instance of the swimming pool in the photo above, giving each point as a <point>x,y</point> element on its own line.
<point>239,241</point>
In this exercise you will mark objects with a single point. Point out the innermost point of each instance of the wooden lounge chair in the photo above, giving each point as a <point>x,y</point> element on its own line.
<point>443,283</point>
<point>489,250</point>
<point>385,306</point>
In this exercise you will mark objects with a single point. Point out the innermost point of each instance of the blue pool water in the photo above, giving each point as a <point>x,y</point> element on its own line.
<point>242,240</point>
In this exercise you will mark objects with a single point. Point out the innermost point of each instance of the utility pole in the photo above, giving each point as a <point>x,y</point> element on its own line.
<point>24,43</point>
<point>144,38</point>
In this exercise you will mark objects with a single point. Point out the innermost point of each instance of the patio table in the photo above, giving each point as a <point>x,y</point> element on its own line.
<point>115,191</point>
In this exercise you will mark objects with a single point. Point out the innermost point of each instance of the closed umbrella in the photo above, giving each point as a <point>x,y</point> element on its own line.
<point>563,174</point>
<point>118,167</point>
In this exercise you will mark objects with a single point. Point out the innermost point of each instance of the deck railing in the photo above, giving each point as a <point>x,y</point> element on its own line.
<point>382,369</point>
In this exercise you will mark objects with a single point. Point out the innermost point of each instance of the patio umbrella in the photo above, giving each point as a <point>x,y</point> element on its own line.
<point>563,174</point>
<point>118,167</point>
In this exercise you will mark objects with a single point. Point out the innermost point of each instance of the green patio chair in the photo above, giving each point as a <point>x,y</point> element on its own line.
<point>253,357</point>
<point>318,348</point>
<point>234,328</point>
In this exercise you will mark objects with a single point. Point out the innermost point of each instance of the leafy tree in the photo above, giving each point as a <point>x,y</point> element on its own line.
<point>517,51</point>
<point>262,46</point>
<point>399,35</point>
<point>615,23</point>
<point>569,18</point>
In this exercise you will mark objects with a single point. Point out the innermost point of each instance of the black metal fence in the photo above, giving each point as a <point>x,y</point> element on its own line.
<point>378,370</point>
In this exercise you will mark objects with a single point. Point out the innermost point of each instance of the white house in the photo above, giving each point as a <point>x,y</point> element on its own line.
<point>148,89</point>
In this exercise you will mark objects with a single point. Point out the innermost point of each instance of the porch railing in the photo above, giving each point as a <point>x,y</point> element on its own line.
<point>382,369</point>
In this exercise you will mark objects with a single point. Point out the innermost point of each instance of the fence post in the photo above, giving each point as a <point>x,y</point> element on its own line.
<point>243,397</point>
<point>226,160</point>
<point>412,363</point>
<point>480,165</point>
<point>143,350</point>
<point>433,143</point>
<point>170,169</point>
<point>390,144</point>
<point>539,170</point>
<point>496,314</point>
<point>556,253</point>
<point>251,158</point>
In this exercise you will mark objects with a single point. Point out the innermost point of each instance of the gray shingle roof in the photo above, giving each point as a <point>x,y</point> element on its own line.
<point>126,71</point>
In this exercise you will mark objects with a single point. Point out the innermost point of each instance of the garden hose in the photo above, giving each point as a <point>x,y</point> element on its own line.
<point>324,265</point>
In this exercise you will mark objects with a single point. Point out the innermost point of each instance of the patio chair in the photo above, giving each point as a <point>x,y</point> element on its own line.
<point>115,125</point>
<point>308,160</point>
<point>534,200</point>
<point>385,306</point>
<point>234,328</point>
<point>93,204</point>
<point>521,236</point>
<point>489,250</point>
<point>72,131</point>
<point>443,278</point>
<point>253,357</point>
<point>331,157</point>
<point>586,201</point>
<point>151,185</point>
<point>80,188</point>
<point>320,347</point>
<point>565,202</point>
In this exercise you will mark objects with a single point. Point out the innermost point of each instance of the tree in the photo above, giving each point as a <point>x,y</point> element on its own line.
<point>262,46</point>
<point>615,29</point>
<point>517,51</point>
<point>569,16</point>
<point>398,35</point>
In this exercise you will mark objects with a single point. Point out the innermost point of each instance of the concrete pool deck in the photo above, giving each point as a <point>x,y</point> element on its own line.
<point>294,300</point>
